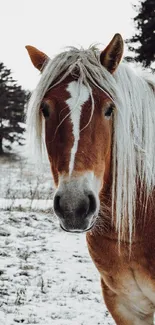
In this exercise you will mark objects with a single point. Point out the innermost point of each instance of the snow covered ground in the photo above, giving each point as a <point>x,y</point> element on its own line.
<point>46,275</point>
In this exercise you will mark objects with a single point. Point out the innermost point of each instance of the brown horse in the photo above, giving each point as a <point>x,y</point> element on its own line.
<point>98,118</point>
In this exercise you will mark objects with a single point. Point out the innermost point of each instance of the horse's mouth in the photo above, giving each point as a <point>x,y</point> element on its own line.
<point>78,231</point>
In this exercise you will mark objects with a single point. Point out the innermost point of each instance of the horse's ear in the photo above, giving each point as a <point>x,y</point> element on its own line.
<point>112,54</point>
<point>37,57</point>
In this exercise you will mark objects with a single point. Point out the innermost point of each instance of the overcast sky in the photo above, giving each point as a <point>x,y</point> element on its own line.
<point>51,25</point>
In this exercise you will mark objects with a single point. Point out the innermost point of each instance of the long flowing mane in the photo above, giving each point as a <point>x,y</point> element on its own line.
<point>134,122</point>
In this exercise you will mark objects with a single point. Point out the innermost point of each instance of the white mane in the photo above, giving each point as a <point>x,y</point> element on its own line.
<point>134,123</point>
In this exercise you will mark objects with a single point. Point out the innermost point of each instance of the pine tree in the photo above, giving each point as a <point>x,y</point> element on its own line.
<point>12,103</point>
<point>144,39</point>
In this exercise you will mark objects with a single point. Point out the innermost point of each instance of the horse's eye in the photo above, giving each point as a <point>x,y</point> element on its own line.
<point>45,109</point>
<point>109,111</point>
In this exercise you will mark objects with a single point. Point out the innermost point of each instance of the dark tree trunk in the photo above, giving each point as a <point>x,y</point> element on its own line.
<point>1,148</point>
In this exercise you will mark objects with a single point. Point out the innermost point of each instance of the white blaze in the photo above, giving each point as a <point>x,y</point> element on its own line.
<point>79,94</point>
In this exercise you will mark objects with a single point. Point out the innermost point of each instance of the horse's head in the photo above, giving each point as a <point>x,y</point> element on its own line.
<point>78,135</point>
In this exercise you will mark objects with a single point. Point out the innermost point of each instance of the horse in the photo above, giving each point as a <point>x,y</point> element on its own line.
<point>94,115</point>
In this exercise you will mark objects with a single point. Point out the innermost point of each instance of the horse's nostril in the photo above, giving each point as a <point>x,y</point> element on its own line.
<point>57,201</point>
<point>87,207</point>
<point>57,207</point>
<point>92,204</point>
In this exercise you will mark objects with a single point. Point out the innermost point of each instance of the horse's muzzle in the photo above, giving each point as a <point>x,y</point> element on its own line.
<point>76,212</point>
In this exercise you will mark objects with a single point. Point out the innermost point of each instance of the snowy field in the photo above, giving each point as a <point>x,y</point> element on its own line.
<point>46,275</point>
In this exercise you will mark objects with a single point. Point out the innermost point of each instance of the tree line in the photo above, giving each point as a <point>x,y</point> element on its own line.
<point>142,43</point>
<point>13,99</point>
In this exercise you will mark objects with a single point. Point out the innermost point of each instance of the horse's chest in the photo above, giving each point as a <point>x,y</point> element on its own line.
<point>129,278</point>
